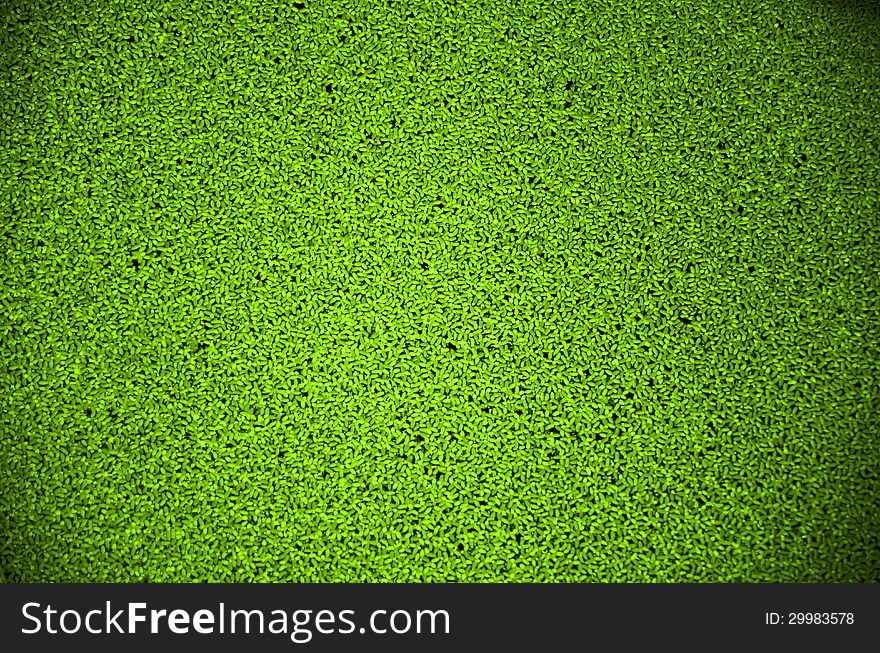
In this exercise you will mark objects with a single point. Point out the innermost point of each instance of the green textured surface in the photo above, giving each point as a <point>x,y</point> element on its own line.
<point>552,291</point>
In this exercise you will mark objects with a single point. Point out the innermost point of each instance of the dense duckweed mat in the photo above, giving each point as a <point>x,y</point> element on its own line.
<point>440,291</point>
